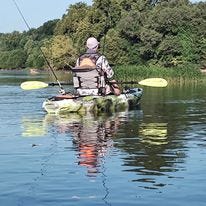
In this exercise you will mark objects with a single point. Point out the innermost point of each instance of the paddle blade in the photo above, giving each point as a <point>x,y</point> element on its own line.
<point>154,82</point>
<point>29,85</point>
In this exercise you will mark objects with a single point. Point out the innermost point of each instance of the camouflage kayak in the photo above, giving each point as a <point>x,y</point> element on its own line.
<point>108,103</point>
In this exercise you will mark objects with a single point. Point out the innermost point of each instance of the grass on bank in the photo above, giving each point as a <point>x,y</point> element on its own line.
<point>135,72</point>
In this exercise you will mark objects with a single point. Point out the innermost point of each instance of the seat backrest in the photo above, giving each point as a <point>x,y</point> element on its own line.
<point>87,75</point>
<point>88,79</point>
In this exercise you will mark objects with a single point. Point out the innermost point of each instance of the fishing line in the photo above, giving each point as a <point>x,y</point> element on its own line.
<point>105,29</point>
<point>49,65</point>
<point>107,14</point>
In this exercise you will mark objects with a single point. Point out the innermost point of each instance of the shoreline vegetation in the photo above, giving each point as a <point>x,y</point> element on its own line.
<point>177,73</point>
<point>190,73</point>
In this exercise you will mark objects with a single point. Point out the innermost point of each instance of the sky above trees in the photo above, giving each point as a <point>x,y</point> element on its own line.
<point>36,12</point>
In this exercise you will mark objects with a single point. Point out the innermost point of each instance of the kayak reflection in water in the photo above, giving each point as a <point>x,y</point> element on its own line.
<point>92,137</point>
<point>92,142</point>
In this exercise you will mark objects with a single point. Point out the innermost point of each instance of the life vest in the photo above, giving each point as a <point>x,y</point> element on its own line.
<point>88,79</point>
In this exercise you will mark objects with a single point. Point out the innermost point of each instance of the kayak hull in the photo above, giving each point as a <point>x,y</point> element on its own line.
<point>108,103</point>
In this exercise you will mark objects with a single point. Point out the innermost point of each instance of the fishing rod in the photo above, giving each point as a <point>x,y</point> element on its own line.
<point>49,65</point>
<point>105,28</point>
<point>112,85</point>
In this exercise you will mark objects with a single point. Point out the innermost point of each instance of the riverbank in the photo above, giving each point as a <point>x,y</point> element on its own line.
<point>134,72</point>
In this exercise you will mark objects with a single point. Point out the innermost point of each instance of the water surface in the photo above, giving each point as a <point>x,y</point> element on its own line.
<point>154,155</point>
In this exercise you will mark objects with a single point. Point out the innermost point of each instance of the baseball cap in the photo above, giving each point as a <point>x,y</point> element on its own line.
<point>92,43</point>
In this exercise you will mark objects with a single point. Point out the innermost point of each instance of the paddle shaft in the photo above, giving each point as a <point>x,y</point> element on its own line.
<point>70,83</point>
<point>151,82</point>
<point>62,83</point>
<point>122,82</point>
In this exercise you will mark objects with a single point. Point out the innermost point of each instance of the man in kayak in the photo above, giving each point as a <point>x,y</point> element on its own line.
<point>92,73</point>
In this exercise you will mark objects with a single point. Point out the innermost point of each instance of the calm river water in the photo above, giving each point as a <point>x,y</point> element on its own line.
<point>151,156</point>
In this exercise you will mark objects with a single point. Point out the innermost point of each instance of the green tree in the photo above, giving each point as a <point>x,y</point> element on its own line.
<point>12,59</point>
<point>116,48</point>
<point>70,21</point>
<point>10,41</point>
<point>132,29</point>
<point>44,31</point>
<point>35,58</point>
<point>169,51</point>
<point>60,51</point>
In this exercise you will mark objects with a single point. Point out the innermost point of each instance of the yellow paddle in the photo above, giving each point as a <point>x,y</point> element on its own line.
<point>153,82</point>
<point>150,82</point>
<point>29,85</point>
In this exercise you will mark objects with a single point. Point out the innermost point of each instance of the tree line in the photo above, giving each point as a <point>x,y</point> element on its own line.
<point>166,33</point>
